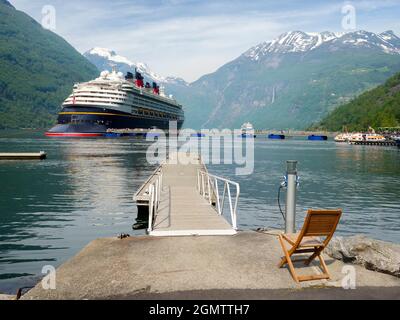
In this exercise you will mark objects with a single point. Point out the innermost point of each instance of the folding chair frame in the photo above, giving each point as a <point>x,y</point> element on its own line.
<point>316,250</point>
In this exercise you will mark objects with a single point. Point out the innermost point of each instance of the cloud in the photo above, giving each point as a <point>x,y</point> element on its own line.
<point>189,38</point>
<point>372,5</point>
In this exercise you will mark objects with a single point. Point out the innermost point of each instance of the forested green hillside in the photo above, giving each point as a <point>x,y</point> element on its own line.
<point>37,71</point>
<point>291,82</point>
<point>379,107</point>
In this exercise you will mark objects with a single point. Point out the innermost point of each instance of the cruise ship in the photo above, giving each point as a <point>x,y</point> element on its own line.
<point>115,101</point>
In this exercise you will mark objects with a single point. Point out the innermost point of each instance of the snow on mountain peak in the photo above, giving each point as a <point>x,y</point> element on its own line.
<point>389,35</point>
<point>292,41</point>
<point>103,52</point>
<point>299,41</point>
<point>110,57</point>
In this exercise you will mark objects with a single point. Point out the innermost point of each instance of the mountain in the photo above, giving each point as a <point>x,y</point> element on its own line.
<point>299,41</point>
<point>379,107</point>
<point>105,59</point>
<point>37,70</point>
<point>293,81</point>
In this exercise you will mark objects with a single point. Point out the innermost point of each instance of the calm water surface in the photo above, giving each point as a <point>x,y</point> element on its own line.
<point>50,209</point>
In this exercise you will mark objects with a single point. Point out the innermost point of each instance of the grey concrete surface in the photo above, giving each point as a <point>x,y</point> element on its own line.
<point>6,297</point>
<point>143,266</point>
<point>318,293</point>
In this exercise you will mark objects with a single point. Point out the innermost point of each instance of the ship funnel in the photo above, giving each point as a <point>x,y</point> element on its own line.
<point>156,88</point>
<point>139,79</point>
<point>129,76</point>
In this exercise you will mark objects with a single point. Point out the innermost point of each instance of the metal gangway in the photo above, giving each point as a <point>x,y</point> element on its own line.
<point>184,199</point>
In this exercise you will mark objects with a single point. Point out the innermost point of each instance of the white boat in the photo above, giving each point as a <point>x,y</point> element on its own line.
<point>368,137</point>
<point>342,137</point>
<point>374,137</point>
<point>397,140</point>
<point>247,126</point>
<point>247,129</point>
<point>355,137</point>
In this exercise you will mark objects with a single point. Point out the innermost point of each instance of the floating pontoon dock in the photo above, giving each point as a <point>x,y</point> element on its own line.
<point>375,143</point>
<point>183,199</point>
<point>23,156</point>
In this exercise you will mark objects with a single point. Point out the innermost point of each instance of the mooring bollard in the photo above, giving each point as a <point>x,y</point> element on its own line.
<point>291,172</point>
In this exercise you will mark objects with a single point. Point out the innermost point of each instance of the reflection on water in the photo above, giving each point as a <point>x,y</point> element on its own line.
<point>363,180</point>
<point>50,209</point>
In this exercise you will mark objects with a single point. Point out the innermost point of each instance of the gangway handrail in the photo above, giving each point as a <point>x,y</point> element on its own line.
<point>154,190</point>
<point>141,191</point>
<point>207,185</point>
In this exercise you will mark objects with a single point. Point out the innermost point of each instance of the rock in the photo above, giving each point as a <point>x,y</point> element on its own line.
<point>373,254</point>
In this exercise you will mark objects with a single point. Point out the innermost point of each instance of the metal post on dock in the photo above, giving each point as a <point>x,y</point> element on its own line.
<point>291,172</point>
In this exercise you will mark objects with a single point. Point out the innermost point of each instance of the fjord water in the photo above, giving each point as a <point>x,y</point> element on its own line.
<point>51,209</point>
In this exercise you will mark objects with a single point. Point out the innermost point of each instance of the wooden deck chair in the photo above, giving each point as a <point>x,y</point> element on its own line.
<point>318,223</point>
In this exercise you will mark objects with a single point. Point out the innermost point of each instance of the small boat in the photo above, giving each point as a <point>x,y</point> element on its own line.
<point>374,137</point>
<point>342,137</point>
<point>355,137</point>
<point>198,135</point>
<point>317,137</point>
<point>366,137</point>
<point>276,136</point>
<point>247,130</point>
<point>397,140</point>
<point>247,135</point>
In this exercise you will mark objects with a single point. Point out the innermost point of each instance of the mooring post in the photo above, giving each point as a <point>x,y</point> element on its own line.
<point>291,172</point>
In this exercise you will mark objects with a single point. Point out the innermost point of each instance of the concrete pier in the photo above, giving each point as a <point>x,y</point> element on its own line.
<point>242,266</point>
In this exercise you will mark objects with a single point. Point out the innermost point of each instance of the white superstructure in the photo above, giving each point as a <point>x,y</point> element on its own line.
<point>112,91</point>
<point>113,101</point>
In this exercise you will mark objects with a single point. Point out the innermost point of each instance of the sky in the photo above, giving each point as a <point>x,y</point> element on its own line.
<point>190,38</point>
